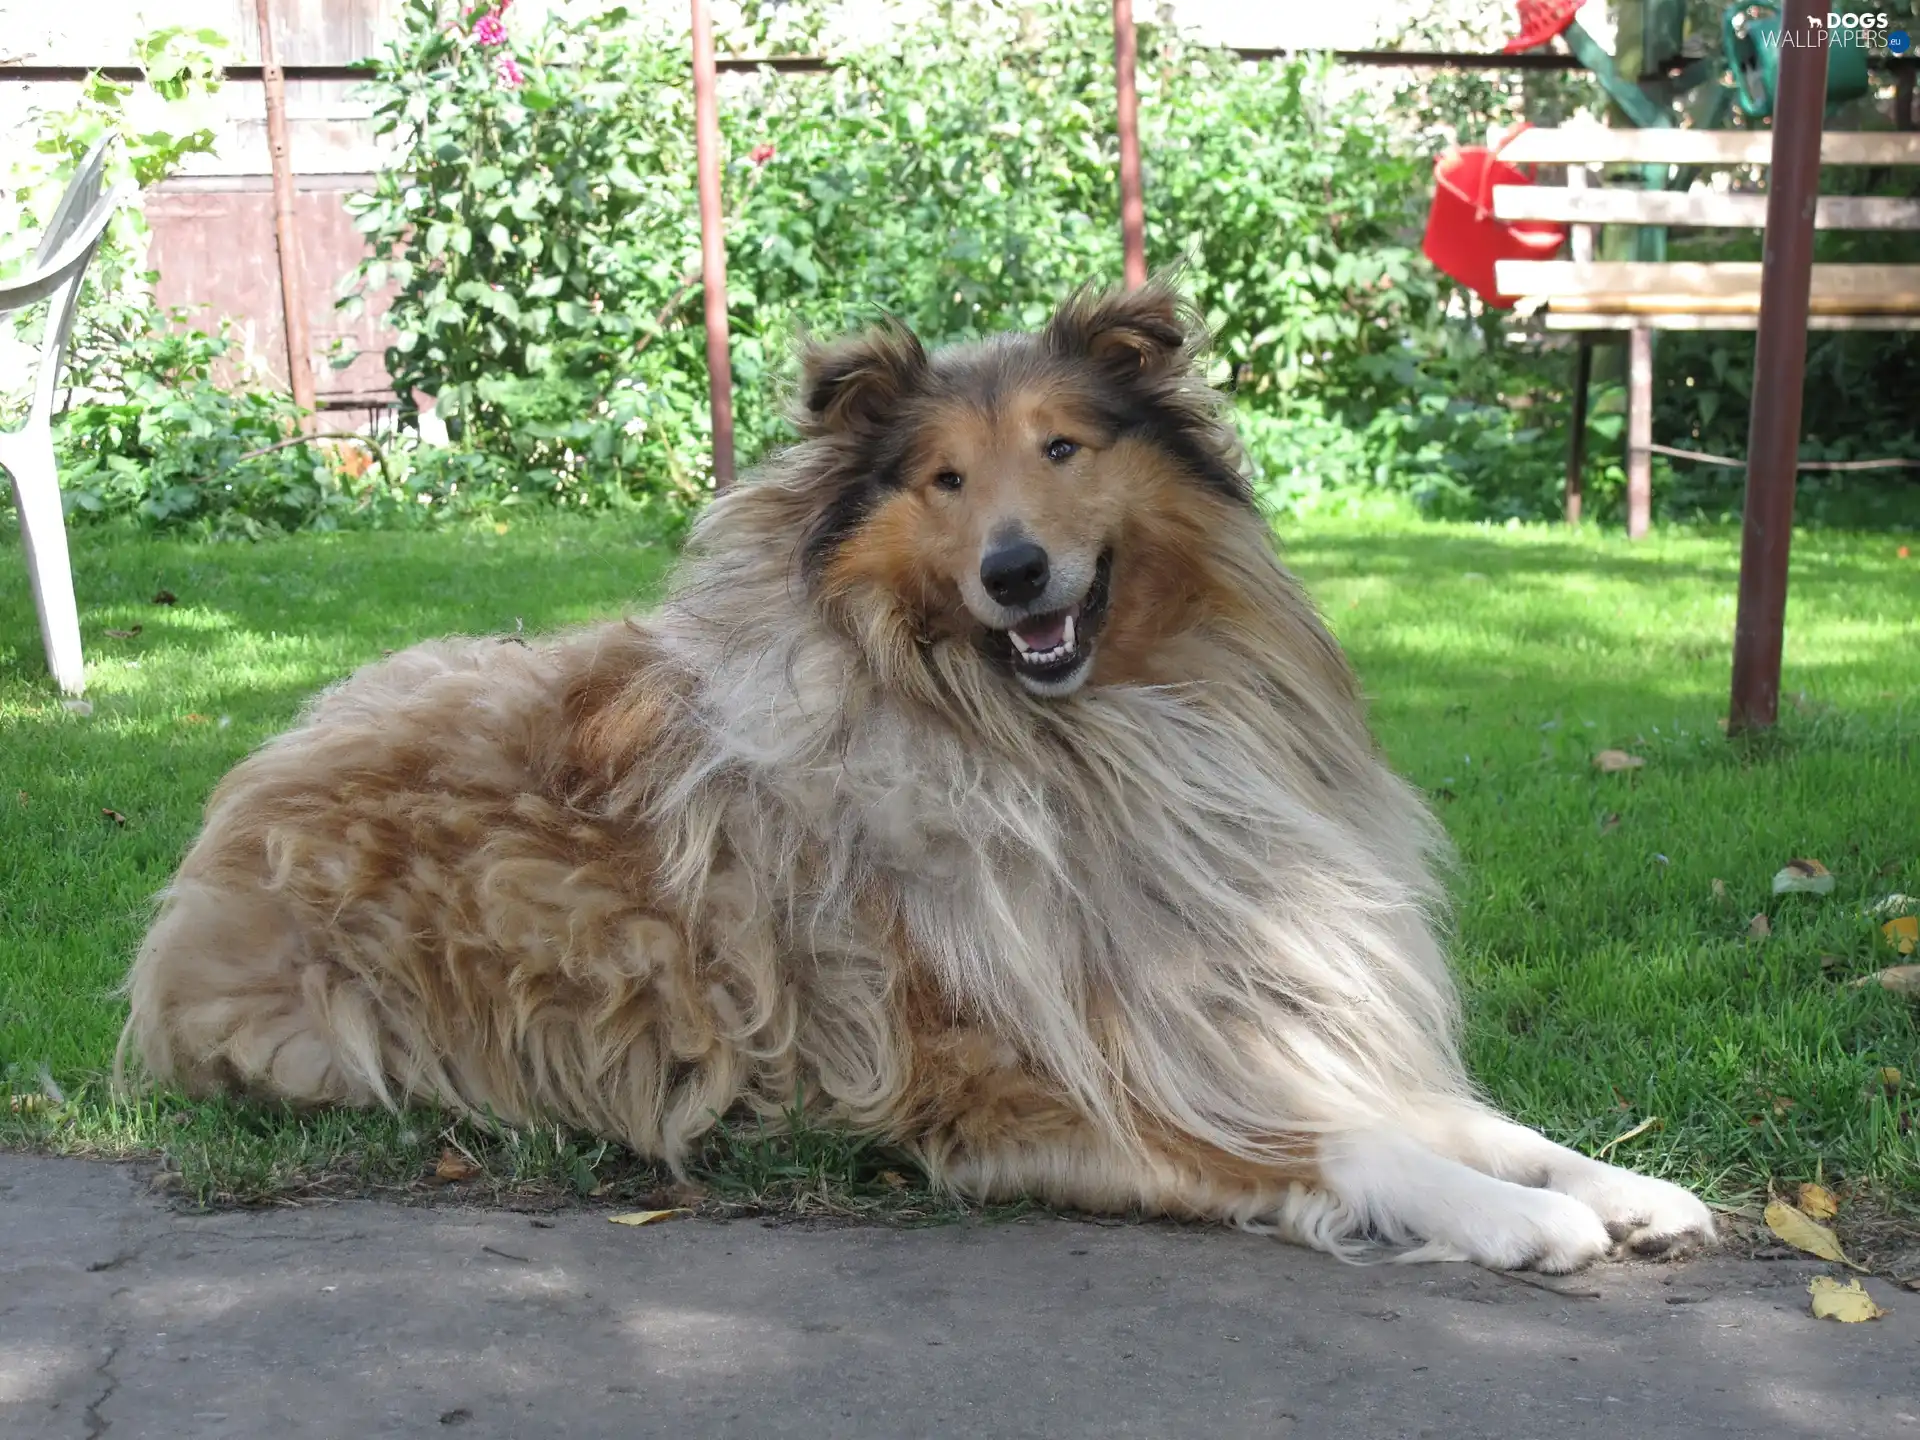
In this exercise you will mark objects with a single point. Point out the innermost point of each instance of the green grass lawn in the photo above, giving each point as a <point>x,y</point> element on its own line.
<point>1603,926</point>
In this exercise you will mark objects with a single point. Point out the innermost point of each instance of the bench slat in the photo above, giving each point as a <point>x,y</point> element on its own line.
<point>1699,208</point>
<point>1563,320</point>
<point>1598,146</point>
<point>1626,286</point>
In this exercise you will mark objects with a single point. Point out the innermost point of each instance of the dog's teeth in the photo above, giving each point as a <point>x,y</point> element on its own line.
<point>1066,638</point>
<point>1019,644</point>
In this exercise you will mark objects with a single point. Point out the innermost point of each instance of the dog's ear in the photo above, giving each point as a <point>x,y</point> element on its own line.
<point>1136,334</point>
<point>857,384</point>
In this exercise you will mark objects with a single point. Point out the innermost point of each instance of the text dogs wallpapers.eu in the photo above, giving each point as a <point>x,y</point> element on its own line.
<point>984,778</point>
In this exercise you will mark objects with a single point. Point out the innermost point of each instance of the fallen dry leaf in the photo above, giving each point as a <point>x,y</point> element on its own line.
<point>647,1217</point>
<point>1609,762</point>
<point>1902,933</point>
<point>1719,889</point>
<point>1848,1303</point>
<point>24,801</point>
<point>1652,1122</point>
<point>126,634</point>
<point>1804,1234</point>
<point>454,1167</point>
<point>1901,979</point>
<point>1817,1202</point>
<point>115,816</point>
<point>1759,927</point>
<point>893,1180</point>
<point>166,597</point>
<point>1890,1076</point>
<point>1803,877</point>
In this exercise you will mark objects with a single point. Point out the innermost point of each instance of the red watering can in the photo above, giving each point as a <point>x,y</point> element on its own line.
<point>1463,239</point>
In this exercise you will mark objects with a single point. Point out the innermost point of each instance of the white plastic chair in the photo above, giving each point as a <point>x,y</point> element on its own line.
<point>59,267</point>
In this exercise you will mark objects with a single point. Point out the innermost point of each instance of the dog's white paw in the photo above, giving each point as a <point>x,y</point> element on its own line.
<point>1533,1230</point>
<point>1642,1215</point>
<point>1404,1192</point>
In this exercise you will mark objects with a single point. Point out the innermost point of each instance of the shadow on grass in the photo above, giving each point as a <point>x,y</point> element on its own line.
<point>229,1152</point>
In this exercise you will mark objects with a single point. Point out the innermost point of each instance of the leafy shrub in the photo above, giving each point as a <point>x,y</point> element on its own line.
<point>177,451</point>
<point>534,234</point>
<point>544,236</point>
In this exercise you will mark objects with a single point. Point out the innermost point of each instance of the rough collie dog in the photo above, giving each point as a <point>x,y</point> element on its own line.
<point>984,779</point>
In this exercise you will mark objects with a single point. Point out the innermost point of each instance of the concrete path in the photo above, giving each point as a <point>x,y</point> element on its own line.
<point>121,1319</point>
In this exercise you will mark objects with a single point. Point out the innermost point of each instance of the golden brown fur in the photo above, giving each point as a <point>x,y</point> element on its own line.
<point>1158,933</point>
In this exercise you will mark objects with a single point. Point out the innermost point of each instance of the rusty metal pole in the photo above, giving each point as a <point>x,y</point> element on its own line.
<point>1577,439</point>
<point>1779,370</point>
<point>1133,205</point>
<point>713,245</point>
<point>286,233</point>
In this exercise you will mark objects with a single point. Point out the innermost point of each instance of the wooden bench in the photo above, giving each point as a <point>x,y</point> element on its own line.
<point>1638,297</point>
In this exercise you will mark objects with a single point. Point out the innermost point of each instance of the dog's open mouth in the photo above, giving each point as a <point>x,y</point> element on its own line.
<point>1050,652</point>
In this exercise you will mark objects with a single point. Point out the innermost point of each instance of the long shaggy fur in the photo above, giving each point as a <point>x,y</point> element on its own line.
<point>1169,942</point>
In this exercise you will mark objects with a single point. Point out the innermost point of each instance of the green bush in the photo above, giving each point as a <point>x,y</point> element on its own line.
<point>535,234</point>
<point>176,451</point>
<point>544,237</point>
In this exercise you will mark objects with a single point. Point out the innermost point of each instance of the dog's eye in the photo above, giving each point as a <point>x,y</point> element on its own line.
<point>1061,449</point>
<point>948,480</point>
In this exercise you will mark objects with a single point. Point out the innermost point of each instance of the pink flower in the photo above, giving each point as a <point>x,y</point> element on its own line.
<point>762,154</point>
<point>489,31</point>
<point>508,72</point>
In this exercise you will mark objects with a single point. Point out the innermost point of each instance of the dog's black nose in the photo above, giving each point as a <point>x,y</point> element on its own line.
<point>1016,573</point>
